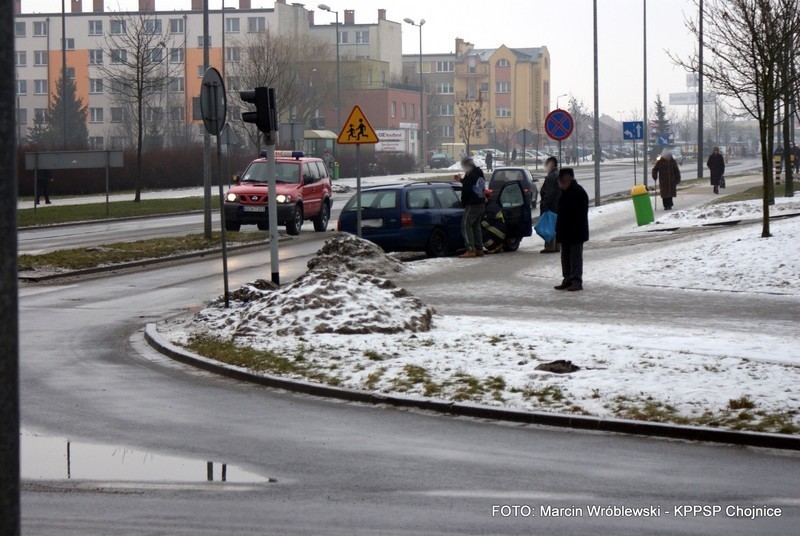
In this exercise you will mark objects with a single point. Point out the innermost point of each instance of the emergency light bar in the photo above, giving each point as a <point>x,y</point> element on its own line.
<point>297,155</point>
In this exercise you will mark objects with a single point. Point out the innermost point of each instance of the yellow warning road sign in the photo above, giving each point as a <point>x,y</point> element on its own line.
<point>357,129</point>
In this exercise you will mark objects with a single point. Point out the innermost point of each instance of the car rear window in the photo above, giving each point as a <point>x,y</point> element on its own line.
<point>420,199</point>
<point>375,200</point>
<point>507,175</point>
<point>448,198</point>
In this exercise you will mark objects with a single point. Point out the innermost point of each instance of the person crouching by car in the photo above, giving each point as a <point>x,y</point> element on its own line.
<point>572,229</point>
<point>473,197</point>
<point>550,196</point>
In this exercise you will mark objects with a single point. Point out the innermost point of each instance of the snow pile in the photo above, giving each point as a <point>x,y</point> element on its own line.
<point>344,292</point>
<point>730,211</point>
<point>338,188</point>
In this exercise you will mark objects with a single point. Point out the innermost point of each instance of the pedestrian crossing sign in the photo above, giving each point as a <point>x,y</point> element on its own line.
<point>357,130</point>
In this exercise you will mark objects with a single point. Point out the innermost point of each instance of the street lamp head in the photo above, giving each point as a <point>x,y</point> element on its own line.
<point>421,22</point>
<point>409,21</point>
<point>324,7</point>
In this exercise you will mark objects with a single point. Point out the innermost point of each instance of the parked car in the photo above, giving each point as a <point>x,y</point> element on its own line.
<point>427,216</point>
<point>503,175</point>
<point>441,161</point>
<point>303,193</point>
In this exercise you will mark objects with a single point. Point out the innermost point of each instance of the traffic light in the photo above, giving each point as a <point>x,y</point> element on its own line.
<point>265,117</point>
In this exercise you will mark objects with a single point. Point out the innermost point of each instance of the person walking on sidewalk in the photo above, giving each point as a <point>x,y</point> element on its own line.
<point>668,175</point>
<point>489,161</point>
<point>43,180</point>
<point>550,197</point>
<point>716,163</point>
<point>473,197</point>
<point>572,229</point>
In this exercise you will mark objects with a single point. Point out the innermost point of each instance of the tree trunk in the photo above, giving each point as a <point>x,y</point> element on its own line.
<point>766,163</point>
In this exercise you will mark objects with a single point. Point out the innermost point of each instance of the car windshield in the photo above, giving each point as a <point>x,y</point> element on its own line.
<point>374,200</point>
<point>285,172</point>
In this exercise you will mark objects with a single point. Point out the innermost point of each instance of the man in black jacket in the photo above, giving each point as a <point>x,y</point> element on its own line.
<point>473,198</point>
<point>572,229</point>
<point>550,196</point>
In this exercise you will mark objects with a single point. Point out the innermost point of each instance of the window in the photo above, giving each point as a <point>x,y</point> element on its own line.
<point>119,55</point>
<point>394,109</point>
<point>403,108</point>
<point>413,111</point>
<point>503,63</point>
<point>117,142</point>
<point>40,115</point>
<point>71,73</point>
<point>447,110</point>
<point>344,38</point>
<point>374,199</point>
<point>40,87</point>
<point>117,27</point>
<point>502,87</point>
<point>22,87</point>
<point>153,26</point>
<point>96,143</point>
<point>256,24</point>
<point>232,25</point>
<point>22,116</point>
<point>233,54</point>
<point>95,27</point>
<point>176,84</point>
<point>503,111</point>
<point>512,196</point>
<point>448,198</point>
<point>40,57</point>
<point>39,29</point>
<point>177,113</point>
<point>200,41</point>
<point>116,87</point>
<point>153,114</point>
<point>176,26</point>
<point>201,70</point>
<point>19,29</point>
<point>234,83</point>
<point>95,85</point>
<point>420,199</point>
<point>445,66</point>
<point>445,88</point>
<point>117,115</point>
<point>96,115</point>
<point>20,58</point>
<point>69,43</point>
<point>485,87</point>
<point>362,37</point>
<point>176,55</point>
<point>96,57</point>
<point>156,55</point>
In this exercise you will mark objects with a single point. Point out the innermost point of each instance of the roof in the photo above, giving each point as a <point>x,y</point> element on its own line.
<point>522,54</point>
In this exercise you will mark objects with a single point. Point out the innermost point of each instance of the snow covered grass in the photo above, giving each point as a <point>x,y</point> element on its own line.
<point>722,212</point>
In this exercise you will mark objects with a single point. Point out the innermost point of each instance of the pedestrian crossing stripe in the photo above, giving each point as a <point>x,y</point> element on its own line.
<point>357,130</point>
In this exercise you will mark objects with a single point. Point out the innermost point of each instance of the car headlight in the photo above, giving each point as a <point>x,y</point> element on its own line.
<point>231,198</point>
<point>284,199</point>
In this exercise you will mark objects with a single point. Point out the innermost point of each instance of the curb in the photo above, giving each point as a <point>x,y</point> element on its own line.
<point>689,433</point>
<point>104,220</point>
<point>143,263</point>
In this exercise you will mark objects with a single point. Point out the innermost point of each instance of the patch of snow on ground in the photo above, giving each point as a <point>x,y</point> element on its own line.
<point>729,211</point>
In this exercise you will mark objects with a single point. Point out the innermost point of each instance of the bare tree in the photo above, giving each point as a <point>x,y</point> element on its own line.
<point>581,121</point>
<point>748,41</point>
<point>469,119</point>
<point>136,68</point>
<point>506,137</point>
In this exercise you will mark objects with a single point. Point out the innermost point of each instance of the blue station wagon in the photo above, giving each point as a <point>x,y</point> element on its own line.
<point>427,216</point>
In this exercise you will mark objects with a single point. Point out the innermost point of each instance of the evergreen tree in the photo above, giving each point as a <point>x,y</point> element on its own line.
<point>660,124</point>
<point>48,132</point>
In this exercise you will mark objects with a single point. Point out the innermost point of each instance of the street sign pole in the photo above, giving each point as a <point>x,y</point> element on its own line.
<point>358,190</point>
<point>524,146</point>
<point>272,201</point>
<point>108,165</point>
<point>355,131</point>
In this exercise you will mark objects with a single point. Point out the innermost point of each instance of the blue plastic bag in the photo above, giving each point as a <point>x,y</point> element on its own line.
<point>546,226</point>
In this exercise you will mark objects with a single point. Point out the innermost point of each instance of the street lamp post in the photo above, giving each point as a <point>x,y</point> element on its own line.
<point>325,7</point>
<point>421,97</point>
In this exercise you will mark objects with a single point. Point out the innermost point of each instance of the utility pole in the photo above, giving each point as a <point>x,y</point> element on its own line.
<point>597,149</point>
<point>9,315</point>
<point>700,98</point>
<point>206,140</point>
<point>645,158</point>
<point>63,75</point>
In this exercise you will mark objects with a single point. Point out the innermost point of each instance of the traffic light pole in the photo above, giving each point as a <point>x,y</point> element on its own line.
<point>273,212</point>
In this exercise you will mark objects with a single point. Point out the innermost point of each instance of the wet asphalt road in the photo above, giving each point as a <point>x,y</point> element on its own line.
<point>341,469</point>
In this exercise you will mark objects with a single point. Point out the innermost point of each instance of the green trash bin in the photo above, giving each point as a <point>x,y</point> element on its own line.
<point>336,171</point>
<point>642,205</point>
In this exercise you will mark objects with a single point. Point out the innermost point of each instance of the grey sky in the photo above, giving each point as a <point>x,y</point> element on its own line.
<point>564,26</point>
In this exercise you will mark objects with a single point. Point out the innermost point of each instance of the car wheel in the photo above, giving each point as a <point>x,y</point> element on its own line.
<point>263,226</point>
<point>437,244</point>
<point>512,244</point>
<point>233,226</point>
<point>295,223</point>
<point>321,220</point>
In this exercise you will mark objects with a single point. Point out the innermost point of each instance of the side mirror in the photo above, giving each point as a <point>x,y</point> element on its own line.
<point>235,178</point>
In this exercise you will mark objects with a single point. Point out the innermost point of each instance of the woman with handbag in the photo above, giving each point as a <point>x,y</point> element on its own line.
<point>668,175</point>
<point>716,163</point>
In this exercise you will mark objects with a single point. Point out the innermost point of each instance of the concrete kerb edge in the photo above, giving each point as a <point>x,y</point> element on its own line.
<point>105,220</point>
<point>668,431</point>
<point>147,262</point>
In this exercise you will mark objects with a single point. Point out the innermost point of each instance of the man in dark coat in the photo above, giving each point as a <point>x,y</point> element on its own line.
<point>550,195</point>
<point>514,155</point>
<point>43,179</point>
<point>716,163</point>
<point>473,197</point>
<point>489,161</point>
<point>668,175</point>
<point>572,229</point>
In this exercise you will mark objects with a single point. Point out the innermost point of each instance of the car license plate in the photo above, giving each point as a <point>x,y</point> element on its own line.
<point>372,224</point>
<point>255,209</point>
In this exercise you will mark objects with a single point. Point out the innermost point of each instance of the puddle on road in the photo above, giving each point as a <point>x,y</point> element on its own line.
<point>56,458</point>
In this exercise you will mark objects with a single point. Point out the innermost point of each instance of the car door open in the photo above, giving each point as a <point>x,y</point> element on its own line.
<point>516,210</point>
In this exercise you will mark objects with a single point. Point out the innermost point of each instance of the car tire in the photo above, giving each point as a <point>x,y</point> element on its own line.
<point>233,226</point>
<point>321,220</point>
<point>512,244</point>
<point>437,244</point>
<point>295,223</point>
<point>263,226</point>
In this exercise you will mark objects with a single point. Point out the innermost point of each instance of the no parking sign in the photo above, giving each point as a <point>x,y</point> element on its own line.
<point>559,125</point>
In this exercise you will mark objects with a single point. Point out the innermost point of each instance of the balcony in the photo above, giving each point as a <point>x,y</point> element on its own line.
<point>479,71</point>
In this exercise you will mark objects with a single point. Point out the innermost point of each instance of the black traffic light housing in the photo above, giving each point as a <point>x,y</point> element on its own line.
<point>266,116</point>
